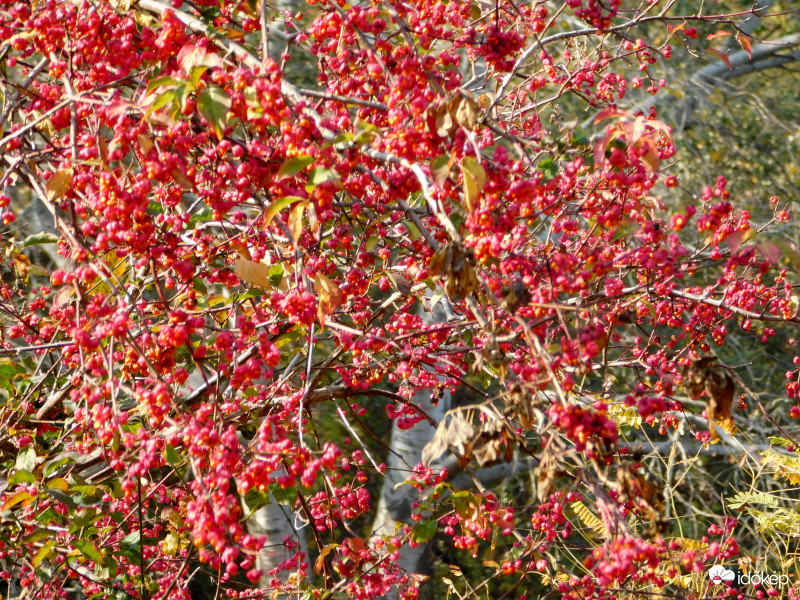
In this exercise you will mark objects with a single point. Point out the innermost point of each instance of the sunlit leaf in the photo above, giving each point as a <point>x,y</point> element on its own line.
<point>58,184</point>
<point>214,104</point>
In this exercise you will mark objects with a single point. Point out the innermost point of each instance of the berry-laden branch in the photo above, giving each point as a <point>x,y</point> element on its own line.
<point>382,285</point>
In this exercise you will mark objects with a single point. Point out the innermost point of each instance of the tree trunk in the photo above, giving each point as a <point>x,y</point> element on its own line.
<point>277,523</point>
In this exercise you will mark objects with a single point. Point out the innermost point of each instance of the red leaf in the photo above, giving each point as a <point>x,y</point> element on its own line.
<point>735,240</point>
<point>662,127</point>
<point>720,55</point>
<point>770,251</point>
<point>610,113</point>
<point>600,151</point>
<point>721,33</point>
<point>675,28</point>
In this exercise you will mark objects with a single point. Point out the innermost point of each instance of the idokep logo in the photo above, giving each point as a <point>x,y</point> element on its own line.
<point>719,575</point>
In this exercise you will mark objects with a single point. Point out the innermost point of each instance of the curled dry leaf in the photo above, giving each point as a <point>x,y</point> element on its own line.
<point>647,498</point>
<point>707,376</point>
<point>720,389</point>
<point>454,430</point>
<point>454,265</point>
<point>454,112</point>
<point>145,143</point>
<point>515,295</point>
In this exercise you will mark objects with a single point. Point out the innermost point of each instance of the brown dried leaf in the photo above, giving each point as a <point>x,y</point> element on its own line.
<point>706,375</point>
<point>145,143</point>
<point>319,564</point>
<point>182,180</point>
<point>252,273</point>
<point>103,148</point>
<point>440,261</point>
<point>489,452</point>
<point>515,295</point>
<point>545,482</point>
<point>445,126</point>
<point>440,169</point>
<point>58,184</point>
<point>466,112</point>
<point>22,265</point>
<point>695,376</point>
<point>63,296</point>
<point>720,389</point>
<point>330,297</point>
<point>467,281</point>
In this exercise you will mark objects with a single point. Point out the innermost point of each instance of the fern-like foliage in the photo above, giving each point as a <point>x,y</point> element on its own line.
<point>589,519</point>
<point>742,498</point>
<point>782,466</point>
<point>624,415</point>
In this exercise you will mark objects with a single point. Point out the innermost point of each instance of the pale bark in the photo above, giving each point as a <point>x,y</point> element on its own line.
<point>276,523</point>
<point>394,505</point>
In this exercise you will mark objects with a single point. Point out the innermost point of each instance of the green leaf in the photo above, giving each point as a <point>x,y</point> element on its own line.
<point>275,275</point>
<point>255,500</point>
<point>182,95</point>
<point>548,168</point>
<point>36,535</point>
<point>161,81</point>
<point>43,551</point>
<point>86,490</point>
<point>209,13</point>
<point>284,496</point>
<point>278,206</point>
<point>214,104</point>
<point>624,229</point>
<point>294,165</point>
<point>44,237</point>
<point>132,541</point>
<point>424,531</point>
<point>440,167</point>
<point>161,101</point>
<point>26,460</point>
<point>88,549</point>
<point>22,476</point>
<point>196,74</point>
<point>89,517</point>
<point>172,456</point>
<point>62,497</point>
<point>371,243</point>
<point>323,174</point>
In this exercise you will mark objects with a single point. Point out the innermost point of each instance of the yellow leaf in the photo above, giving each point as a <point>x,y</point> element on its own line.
<point>474,180</point>
<point>58,483</point>
<point>58,184</point>
<point>296,220</point>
